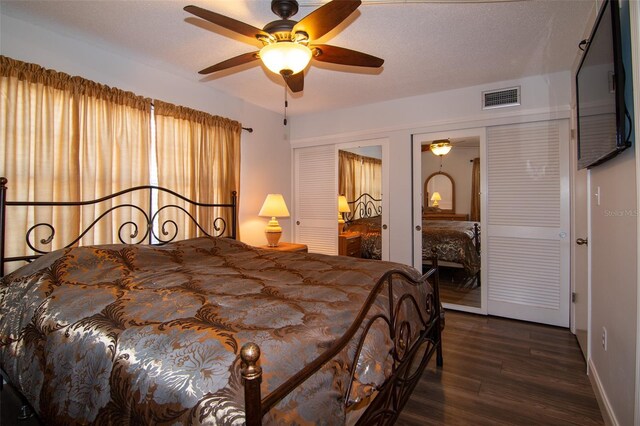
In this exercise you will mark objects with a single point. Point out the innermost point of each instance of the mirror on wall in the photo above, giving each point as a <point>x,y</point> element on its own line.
<point>439,192</point>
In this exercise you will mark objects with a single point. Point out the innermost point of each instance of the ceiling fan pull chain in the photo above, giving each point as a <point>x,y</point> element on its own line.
<point>286,104</point>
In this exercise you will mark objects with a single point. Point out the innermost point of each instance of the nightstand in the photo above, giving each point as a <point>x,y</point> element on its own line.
<point>349,244</point>
<point>288,247</point>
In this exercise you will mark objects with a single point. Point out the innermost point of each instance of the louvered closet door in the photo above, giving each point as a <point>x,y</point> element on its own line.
<point>527,236</point>
<point>316,203</point>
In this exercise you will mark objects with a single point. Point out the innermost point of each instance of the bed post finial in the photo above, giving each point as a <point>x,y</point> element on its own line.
<point>3,200</point>
<point>252,376</point>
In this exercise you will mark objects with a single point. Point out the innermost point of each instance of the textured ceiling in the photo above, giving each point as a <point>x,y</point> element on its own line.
<point>427,47</point>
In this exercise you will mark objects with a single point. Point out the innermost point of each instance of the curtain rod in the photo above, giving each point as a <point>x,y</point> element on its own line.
<point>248,129</point>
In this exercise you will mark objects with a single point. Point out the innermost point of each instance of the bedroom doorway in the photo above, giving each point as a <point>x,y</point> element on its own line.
<point>363,181</point>
<point>448,214</point>
<point>580,254</point>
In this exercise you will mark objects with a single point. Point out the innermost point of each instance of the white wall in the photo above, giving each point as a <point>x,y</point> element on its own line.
<point>544,93</point>
<point>543,97</point>
<point>265,152</point>
<point>614,255</point>
<point>613,242</point>
<point>456,164</point>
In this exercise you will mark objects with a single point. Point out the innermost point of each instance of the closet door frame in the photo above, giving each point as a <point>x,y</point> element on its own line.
<point>418,186</point>
<point>386,195</point>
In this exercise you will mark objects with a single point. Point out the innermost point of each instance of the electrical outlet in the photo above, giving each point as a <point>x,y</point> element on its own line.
<point>604,338</point>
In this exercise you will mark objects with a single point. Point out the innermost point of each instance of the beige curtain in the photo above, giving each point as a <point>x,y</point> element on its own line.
<point>198,155</point>
<point>115,142</point>
<point>39,143</point>
<point>64,138</point>
<point>358,175</point>
<point>475,191</point>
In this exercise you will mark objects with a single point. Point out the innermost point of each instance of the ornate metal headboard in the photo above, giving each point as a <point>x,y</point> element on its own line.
<point>144,230</point>
<point>364,207</point>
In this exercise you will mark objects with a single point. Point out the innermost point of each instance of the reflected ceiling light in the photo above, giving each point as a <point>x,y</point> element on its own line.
<point>286,57</point>
<point>440,147</point>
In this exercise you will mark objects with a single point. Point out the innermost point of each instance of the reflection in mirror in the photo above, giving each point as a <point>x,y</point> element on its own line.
<point>439,192</point>
<point>452,226</point>
<point>360,181</point>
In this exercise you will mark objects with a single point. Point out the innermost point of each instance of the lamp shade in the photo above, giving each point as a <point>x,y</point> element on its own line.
<point>274,206</point>
<point>440,147</point>
<point>285,55</point>
<point>435,198</point>
<point>343,205</point>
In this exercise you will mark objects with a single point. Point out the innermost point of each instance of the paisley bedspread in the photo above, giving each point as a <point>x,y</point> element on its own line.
<point>123,334</point>
<point>370,236</point>
<point>453,241</point>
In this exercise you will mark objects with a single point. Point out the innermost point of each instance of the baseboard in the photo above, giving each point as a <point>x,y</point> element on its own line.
<point>608,415</point>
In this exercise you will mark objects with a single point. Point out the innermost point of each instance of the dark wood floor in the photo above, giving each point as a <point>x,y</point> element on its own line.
<point>504,372</point>
<point>457,294</point>
<point>456,287</point>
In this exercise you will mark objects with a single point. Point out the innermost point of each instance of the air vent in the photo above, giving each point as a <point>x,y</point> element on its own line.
<point>501,98</point>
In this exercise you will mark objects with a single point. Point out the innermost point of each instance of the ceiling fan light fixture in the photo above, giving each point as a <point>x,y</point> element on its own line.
<point>440,147</point>
<point>285,56</point>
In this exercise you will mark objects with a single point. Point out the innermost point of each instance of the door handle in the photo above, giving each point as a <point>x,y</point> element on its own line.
<point>582,241</point>
<point>384,226</point>
<point>418,228</point>
<point>297,222</point>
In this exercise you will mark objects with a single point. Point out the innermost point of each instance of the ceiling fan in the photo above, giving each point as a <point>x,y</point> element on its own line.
<point>288,46</point>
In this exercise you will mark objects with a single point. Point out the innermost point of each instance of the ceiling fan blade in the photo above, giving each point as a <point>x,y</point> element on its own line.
<point>340,55</point>
<point>316,3</point>
<point>295,82</point>
<point>324,19</point>
<point>226,22</point>
<point>233,62</point>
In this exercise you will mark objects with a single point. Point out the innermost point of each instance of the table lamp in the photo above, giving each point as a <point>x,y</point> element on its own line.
<point>343,207</point>
<point>436,198</point>
<point>273,207</point>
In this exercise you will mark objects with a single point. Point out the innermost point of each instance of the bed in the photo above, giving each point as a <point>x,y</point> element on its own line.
<point>197,331</point>
<point>365,218</point>
<point>457,243</point>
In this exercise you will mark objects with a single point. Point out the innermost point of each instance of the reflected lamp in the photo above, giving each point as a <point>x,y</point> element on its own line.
<point>436,199</point>
<point>440,147</point>
<point>343,207</point>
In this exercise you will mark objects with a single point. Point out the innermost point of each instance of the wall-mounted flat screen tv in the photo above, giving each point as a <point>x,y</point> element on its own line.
<point>600,92</point>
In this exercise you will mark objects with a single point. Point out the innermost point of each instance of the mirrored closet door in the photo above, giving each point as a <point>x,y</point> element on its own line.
<point>362,203</point>
<point>340,204</point>
<point>447,197</point>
